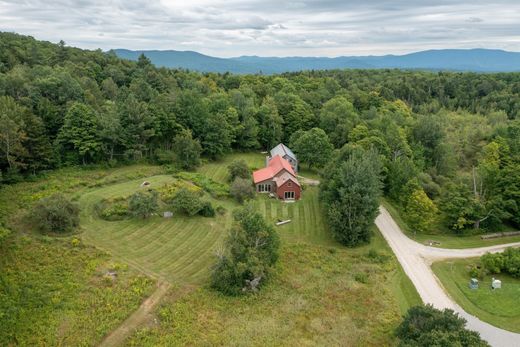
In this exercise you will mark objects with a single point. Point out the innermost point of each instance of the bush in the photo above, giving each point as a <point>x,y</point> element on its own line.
<point>207,209</point>
<point>251,251</point>
<point>56,214</point>
<point>427,326</point>
<point>216,189</point>
<point>113,209</point>
<point>187,202</point>
<point>507,262</point>
<point>143,204</point>
<point>242,189</point>
<point>168,190</point>
<point>238,168</point>
<point>221,210</point>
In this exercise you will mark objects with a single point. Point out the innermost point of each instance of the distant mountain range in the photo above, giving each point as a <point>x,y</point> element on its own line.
<point>478,60</point>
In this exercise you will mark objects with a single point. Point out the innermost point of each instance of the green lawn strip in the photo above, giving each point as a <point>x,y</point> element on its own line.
<point>499,307</point>
<point>446,240</point>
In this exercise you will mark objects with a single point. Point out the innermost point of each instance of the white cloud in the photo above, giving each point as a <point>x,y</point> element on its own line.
<point>269,27</point>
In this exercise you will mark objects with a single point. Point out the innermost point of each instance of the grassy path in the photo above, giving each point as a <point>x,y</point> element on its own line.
<point>142,315</point>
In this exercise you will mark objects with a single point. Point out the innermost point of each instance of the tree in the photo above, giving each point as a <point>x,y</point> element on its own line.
<point>425,326</point>
<point>143,205</point>
<point>80,132</point>
<point>216,137</point>
<point>12,132</point>
<point>251,250</point>
<point>55,214</point>
<point>187,202</point>
<point>137,123</point>
<point>241,189</point>
<point>400,172</point>
<point>238,168</point>
<point>110,129</point>
<point>350,190</point>
<point>337,118</point>
<point>187,150</point>
<point>420,210</point>
<point>312,147</point>
<point>269,124</point>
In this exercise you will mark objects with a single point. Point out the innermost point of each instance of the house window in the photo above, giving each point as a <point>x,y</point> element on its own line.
<point>289,184</point>
<point>262,188</point>
<point>288,195</point>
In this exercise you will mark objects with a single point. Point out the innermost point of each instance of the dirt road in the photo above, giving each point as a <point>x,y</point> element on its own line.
<point>416,259</point>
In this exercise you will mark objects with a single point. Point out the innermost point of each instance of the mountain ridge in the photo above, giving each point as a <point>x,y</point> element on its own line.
<point>474,59</point>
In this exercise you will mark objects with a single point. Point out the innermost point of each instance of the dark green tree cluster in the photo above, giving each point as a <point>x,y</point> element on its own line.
<point>350,191</point>
<point>505,262</point>
<point>425,326</point>
<point>251,251</point>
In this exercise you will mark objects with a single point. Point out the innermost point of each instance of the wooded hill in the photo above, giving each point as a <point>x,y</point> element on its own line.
<point>448,141</point>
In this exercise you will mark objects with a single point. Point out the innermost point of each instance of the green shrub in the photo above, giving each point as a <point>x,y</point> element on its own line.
<point>425,326</point>
<point>143,204</point>
<point>216,189</point>
<point>56,214</point>
<point>507,261</point>
<point>207,209</point>
<point>241,189</point>
<point>238,169</point>
<point>168,190</point>
<point>187,202</point>
<point>113,209</point>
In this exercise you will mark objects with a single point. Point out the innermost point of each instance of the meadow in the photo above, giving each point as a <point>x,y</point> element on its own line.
<point>53,289</point>
<point>321,292</point>
<point>498,307</point>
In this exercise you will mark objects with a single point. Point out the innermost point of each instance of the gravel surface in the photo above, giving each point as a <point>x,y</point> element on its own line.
<point>416,259</point>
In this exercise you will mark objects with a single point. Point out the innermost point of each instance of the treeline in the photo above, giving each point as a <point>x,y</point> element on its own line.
<point>448,143</point>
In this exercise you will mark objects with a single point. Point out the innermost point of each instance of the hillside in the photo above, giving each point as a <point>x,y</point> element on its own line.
<point>478,60</point>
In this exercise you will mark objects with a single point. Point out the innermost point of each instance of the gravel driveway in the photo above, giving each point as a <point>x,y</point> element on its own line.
<point>416,259</point>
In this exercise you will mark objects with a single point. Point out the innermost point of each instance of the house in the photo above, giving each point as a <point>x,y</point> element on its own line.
<point>286,153</point>
<point>278,178</point>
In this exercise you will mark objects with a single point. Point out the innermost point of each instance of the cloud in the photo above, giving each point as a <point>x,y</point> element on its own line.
<point>269,27</point>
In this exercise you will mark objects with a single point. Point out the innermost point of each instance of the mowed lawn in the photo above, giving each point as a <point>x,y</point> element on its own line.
<point>182,249</point>
<point>500,307</point>
<point>179,249</point>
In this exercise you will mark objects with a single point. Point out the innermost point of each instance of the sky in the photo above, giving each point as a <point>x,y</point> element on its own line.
<point>227,28</point>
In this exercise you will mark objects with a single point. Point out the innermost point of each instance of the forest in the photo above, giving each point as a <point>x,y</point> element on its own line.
<point>448,142</point>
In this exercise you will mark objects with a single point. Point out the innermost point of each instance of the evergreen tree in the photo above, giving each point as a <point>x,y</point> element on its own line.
<point>350,191</point>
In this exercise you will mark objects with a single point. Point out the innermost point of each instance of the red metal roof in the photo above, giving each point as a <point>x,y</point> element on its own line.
<point>276,164</point>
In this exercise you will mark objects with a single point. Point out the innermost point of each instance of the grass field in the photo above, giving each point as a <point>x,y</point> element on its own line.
<point>315,298</point>
<point>180,249</point>
<point>321,293</point>
<point>446,240</point>
<point>499,307</point>
<point>53,292</point>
